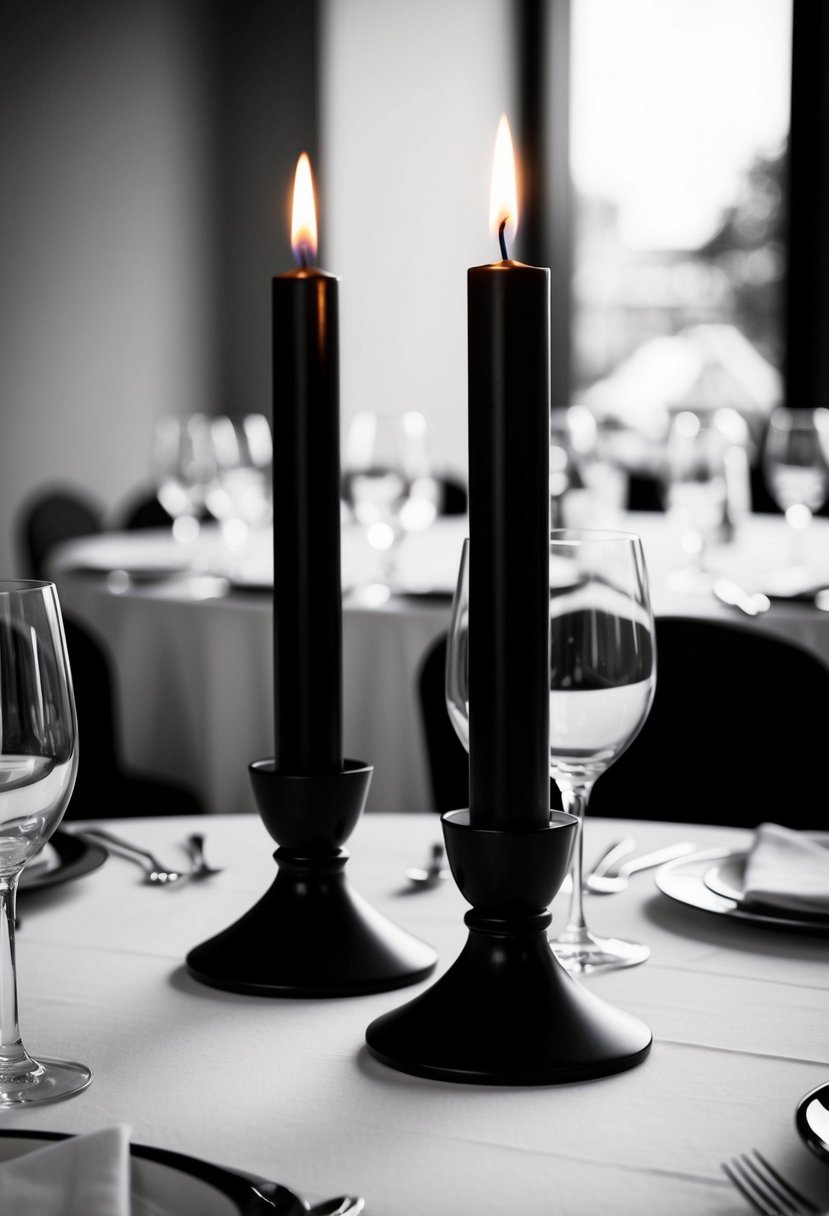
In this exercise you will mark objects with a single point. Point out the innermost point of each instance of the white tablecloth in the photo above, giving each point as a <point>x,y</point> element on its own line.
<point>195,675</point>
<point>287,1088</point>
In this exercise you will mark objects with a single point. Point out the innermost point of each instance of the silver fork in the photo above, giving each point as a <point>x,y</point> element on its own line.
<point>610,884</point>
<point>195,847</point>
<point>154,872</point>
<point>764,1188</point>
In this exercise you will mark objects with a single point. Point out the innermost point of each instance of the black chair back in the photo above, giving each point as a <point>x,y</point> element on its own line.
<point>447,758</point>
<point>52,517</point>
<point>736,735</point>
<point>104,788</point>
<point>145,511</point>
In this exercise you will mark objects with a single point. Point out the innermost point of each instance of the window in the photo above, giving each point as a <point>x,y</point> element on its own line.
<point>679,118</point>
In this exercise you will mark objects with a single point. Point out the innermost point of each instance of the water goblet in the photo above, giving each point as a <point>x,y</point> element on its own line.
<point>239,496</point>
<point>694,485</point>
<point>602,680</point>
<point>387,482</point>
<point>796,468</point>
<point>38,763</point>
<point>184,465</point>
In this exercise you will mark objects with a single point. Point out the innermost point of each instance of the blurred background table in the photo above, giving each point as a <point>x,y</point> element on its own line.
<point>192,655</point>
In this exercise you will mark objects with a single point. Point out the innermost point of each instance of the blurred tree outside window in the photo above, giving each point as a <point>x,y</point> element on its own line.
<point>678,131</point>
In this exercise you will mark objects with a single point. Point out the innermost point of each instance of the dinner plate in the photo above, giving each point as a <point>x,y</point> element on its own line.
<point>727,878</point>
<point>685,882</point>
<point>72,857</point>
<point>174,1183</point>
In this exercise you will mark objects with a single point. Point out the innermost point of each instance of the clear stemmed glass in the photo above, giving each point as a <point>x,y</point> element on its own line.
<point>240,493</point>
<point>695,482</point>
<point>185,466</point>
<point>387,482</point>
<point>796,468</point>
<point>38,763</point>
<point>602,680</point>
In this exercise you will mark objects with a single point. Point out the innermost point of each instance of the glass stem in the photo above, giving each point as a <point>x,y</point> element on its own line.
<point>574,801</point>
<point>799,519</point>
<point>13,1056</point>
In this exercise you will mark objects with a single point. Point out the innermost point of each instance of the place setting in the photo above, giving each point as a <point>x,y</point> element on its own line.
<point>110,1175</point>
<point>64,857</point>
<point>780,882</point>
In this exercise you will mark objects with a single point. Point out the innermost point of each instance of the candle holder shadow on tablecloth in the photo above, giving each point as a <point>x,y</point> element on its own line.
<point>506,1012</point>
<point>311,934</point>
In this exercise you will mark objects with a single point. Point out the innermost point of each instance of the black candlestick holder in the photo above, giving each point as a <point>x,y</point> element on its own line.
<point>311,934</point>
<point>506,1012</point>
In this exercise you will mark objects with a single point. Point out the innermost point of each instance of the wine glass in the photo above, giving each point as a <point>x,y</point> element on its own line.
<point>185,466</point>
<point>38,763</point>
<point>795,456</point>
<point>695,482</point>
<point>239,495</point>
<point>387,482</point>
<point>602,680</point>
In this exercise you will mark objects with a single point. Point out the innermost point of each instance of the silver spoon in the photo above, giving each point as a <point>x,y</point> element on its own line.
<point>278,1196</point>
<point>154,872</point>
<point>812,1119</point>
<point>609,884</point>
<point>752,603</point>
<point>343,1205</point>
<point>200,868</point>
<point>434,871</point>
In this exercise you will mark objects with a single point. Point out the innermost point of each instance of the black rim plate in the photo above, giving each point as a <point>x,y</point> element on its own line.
<point>77,856</point>
<point>240,1190</point>
<point>684,882</point>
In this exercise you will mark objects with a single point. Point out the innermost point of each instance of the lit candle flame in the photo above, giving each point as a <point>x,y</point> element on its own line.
<point>304,215</point>
<point>503,197</point>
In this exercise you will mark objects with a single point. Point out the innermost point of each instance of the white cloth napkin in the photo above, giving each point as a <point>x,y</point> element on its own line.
<point>81,1176</point>
<point>788,870</point>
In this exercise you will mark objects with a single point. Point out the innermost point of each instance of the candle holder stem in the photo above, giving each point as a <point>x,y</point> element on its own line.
<point>311,934</point>
<point>506,1012</point>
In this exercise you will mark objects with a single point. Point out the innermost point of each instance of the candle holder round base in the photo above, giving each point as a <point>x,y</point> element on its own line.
<point>311,934</point>
<point>506,1012</point>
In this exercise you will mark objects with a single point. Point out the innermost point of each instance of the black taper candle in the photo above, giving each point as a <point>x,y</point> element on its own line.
<point>509,531</point>
<point>307,618</point>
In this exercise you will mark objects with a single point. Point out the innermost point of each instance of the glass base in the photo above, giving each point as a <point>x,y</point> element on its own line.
<point>45,1081</point>
<point>585,953</point>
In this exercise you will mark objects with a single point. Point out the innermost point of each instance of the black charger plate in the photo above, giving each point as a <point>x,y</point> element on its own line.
<point>240,1192</point>
<point>76,856</point>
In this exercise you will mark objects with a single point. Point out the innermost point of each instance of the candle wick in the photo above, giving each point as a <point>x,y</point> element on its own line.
<point>303,256</point>
<point>502,240</point>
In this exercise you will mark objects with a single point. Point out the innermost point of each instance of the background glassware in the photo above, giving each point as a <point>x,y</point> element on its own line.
<point>602,482</point>
<point>387,481</point>
<point>239,495</point>
<point>38,763</point>
<point>695,487</point>
<point>796,468</point>
<point>602,680</point>
<point>184,466</point>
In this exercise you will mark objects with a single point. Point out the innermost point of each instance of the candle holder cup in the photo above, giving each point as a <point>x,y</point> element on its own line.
<point>506,1012</point>
<point>311,934</point>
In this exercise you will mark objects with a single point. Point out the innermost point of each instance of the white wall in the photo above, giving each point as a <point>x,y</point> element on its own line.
<point>114,278</point>
<point>412,94</point>
<point>104,227</point>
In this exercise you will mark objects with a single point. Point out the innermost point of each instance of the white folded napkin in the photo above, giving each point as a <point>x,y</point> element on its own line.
<point>81,1176</point>
<point>788,870</point>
